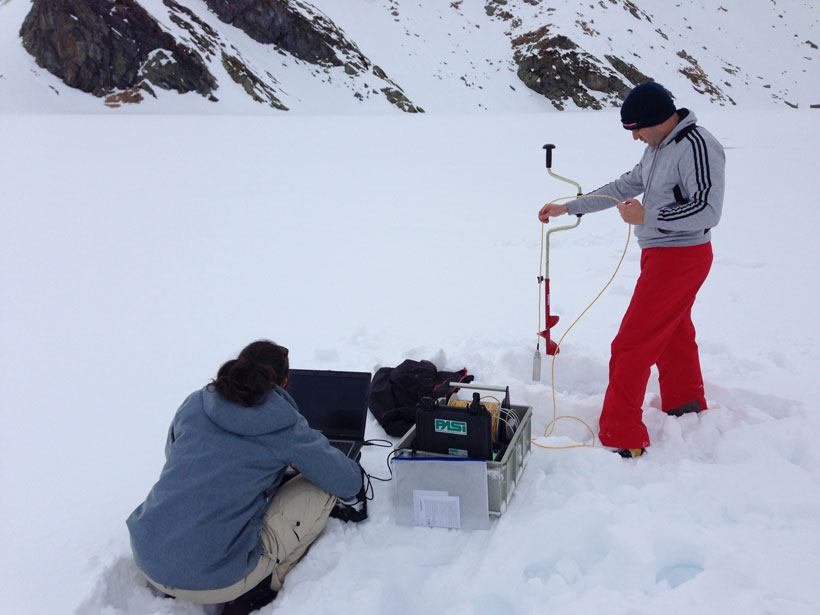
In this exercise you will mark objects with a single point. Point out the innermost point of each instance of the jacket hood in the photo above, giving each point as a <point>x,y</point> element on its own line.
<point>687,119</point>
<point>276,413</point>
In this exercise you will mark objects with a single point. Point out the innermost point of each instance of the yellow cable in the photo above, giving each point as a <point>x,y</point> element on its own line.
<point>551,425</point>
<point>493,409</point>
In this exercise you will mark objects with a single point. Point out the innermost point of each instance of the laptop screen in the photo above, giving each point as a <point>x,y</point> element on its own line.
<point>335,403</point>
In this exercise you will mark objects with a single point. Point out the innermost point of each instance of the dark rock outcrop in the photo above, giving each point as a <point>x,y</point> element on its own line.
<point>290,25</point>
<point>263,88</point>
<point>632,74</point>
<point>100,46</point>
<point>557,68</point>
<point>254,85</point>
<point>118,50</point>
<point>306,33</point>
<point>700,81</point>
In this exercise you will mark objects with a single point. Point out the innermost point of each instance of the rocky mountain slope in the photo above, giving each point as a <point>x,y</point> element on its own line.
<point>347,56</point>
<point>117,50</point>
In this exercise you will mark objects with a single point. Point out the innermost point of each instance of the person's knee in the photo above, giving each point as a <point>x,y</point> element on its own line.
<point>301,500</point>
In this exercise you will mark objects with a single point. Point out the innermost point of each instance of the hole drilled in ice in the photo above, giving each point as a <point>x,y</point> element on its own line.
<point>678,574</point>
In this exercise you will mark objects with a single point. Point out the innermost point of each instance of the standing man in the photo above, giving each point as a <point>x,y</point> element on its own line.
<point>681,177</point>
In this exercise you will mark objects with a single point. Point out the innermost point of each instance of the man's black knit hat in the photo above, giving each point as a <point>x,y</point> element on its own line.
<point>647,104</point>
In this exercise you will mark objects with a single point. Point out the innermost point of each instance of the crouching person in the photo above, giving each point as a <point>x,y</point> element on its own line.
<point>220,525</point>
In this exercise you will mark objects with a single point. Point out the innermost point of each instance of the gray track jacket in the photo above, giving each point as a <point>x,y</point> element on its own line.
<point>682,181</point>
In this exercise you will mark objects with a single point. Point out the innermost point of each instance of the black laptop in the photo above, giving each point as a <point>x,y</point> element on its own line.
<point>333,402</point>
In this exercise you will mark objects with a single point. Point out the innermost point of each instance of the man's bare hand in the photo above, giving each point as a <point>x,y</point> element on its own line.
<point>550,210</point>
<point>631,211</point>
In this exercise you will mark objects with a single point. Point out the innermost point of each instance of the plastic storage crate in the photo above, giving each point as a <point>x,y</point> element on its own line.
<point>502,475</point>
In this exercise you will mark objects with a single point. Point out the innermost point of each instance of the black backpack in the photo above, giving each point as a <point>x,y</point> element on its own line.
<point>395,392</point>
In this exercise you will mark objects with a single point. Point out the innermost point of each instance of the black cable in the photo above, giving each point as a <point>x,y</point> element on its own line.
<point>370,477</point>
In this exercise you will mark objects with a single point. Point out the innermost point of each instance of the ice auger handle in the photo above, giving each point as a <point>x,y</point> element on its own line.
<point>549,147</point>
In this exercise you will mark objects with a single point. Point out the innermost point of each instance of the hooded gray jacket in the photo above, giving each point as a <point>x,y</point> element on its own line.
<point>682,181</point>
<point>199,528</point>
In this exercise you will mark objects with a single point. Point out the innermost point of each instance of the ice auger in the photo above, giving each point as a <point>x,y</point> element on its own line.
<point>550,320</point>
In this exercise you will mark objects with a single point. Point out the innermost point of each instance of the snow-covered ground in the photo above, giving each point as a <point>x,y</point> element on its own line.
<point>140,252</point>
<point>143,246</point>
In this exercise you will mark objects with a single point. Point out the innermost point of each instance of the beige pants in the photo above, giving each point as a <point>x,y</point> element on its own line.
<point>296,516</point>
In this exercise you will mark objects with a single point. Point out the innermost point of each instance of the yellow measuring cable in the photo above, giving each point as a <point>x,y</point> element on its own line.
<point>555,418</point>
<point>493,409</point>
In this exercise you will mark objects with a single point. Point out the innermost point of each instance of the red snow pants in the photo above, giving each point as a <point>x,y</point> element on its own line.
<point>657,330</point>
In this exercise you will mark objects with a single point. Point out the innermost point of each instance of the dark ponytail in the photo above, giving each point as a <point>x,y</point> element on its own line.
<point>248,379</point>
